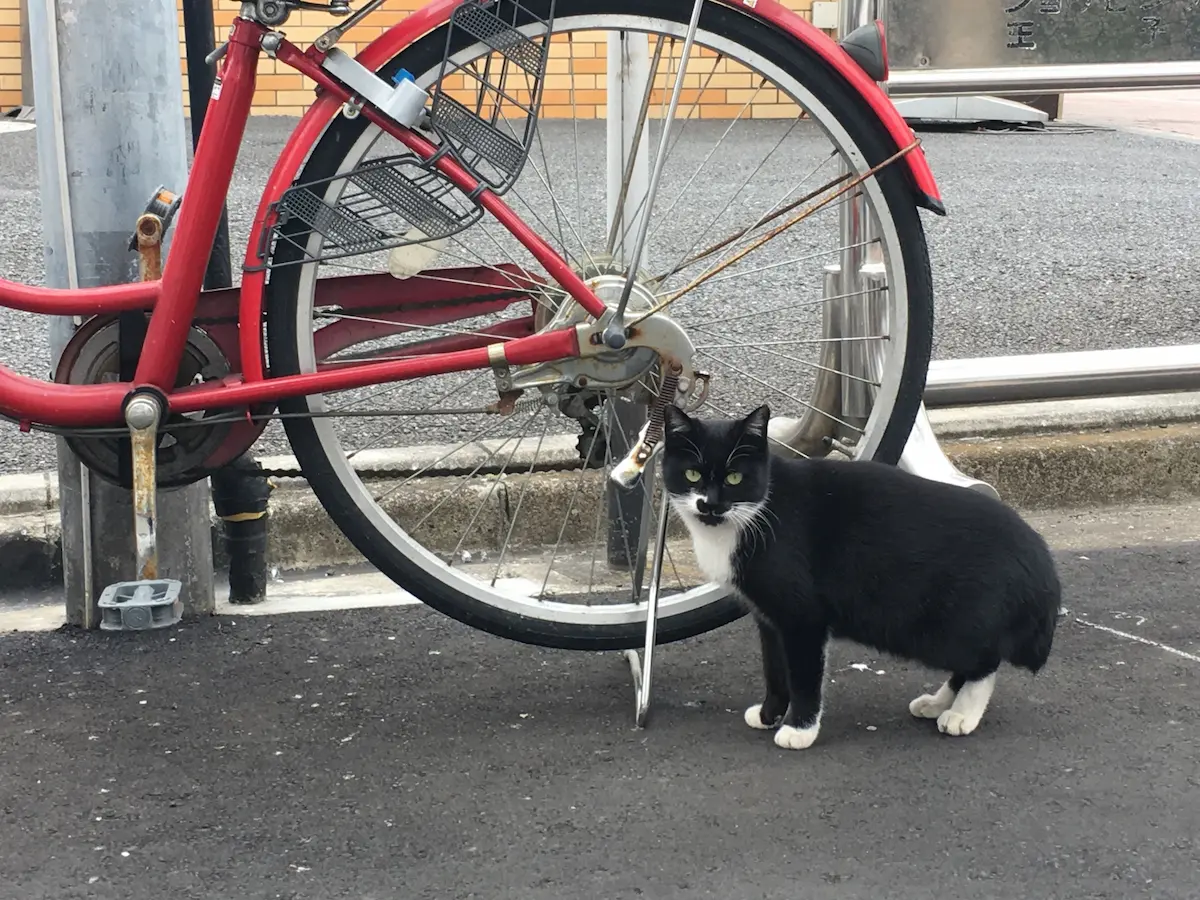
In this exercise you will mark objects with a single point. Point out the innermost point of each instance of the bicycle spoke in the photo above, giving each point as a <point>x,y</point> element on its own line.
<point>712,152</point>
<point>679,133</point>
<point>466,480</point>
<point>436,329</point>
<point>660,161</point>
<point>804,362</point>
<point>792,343</point>
<point>520,500</point>
<point>775,212</point>
<point>574,122</point>
<point>709,324</point>
<point>780,391</point>
<point>776,441</point>
<point>643,486</point>
<point>579,479</point>
<point>425,468</point>
<point>474,377</point>
<point>496,481</point>
<point>627,175</point>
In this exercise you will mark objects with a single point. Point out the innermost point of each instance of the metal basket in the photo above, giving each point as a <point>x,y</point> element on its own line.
<point>401,200</point>
<point>491,130</point>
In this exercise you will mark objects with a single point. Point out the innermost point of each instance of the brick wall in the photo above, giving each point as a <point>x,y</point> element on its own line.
<point>727,88</point>
<point>10,53</point>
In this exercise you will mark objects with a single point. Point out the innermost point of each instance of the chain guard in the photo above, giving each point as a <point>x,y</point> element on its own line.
<point>185,443</point>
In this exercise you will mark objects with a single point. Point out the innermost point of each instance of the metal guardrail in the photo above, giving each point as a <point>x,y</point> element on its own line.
<point>1052,376</point>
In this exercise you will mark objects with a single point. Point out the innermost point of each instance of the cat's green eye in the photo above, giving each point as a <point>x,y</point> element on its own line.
<point>692,475</point>
<point>733,478</point>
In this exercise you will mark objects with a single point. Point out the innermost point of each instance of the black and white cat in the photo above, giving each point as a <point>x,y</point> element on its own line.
<point>922,570</point>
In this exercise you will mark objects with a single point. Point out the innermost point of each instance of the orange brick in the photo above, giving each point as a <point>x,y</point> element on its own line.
<point>11,17</point>
<point>776,111</point>
<point>720,111</point>
<point>10,66</point>
<point>295,98</point>
<point>734,80</point>
<point>748,95</point>
<point>595,65</point>
<point>280,82</point>
<point>264,98</point>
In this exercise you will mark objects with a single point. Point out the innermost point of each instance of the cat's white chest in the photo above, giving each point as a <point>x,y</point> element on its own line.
<point>715,546</point>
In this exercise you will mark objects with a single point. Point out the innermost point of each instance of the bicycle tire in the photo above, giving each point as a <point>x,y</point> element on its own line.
<point>284,328</point>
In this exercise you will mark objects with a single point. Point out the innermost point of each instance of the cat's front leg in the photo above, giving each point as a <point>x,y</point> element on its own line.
<point>768,713</point>
<point>805,654</point>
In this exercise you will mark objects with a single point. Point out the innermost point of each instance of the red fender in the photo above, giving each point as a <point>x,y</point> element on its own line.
<point>434,15</point>
<point>391,42</point>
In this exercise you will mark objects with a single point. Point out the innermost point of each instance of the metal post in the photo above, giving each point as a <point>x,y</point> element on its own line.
<point>628,71</point>
<point>101,155</point>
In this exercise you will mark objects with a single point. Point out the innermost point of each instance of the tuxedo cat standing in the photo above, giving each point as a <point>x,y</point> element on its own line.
<point>822,549</point>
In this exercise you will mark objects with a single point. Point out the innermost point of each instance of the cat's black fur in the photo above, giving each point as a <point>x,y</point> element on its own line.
<point>923,570</point>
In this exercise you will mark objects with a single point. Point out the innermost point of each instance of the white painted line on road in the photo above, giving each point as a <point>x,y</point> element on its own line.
<point>1139,639</point>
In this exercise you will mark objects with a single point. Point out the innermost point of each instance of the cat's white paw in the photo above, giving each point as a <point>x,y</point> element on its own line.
<point>969,706</point>
<point>930,706</point>
<point>955,723</point>
<point>754,719</point>
<point>790,738</point>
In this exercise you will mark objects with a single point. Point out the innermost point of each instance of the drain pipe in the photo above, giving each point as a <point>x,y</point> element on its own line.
<point>240,490</point>
<point>240,494</point>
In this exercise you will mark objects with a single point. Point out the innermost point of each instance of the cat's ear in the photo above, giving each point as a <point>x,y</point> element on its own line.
<point>675,420</point>
<point>755,424</point>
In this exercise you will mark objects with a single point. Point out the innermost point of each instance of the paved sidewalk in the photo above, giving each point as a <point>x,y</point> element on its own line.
<point>392,753</point>
<point>1168,112</point>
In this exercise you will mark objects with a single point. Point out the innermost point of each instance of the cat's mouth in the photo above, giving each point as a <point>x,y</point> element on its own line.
<point>711,518</point>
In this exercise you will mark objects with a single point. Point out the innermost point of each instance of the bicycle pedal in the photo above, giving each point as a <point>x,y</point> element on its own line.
<point>141,605</point>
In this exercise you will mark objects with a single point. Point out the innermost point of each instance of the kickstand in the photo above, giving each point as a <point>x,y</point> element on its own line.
<point>642,669</point>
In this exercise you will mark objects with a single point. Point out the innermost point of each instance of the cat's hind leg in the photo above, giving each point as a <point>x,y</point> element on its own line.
<point>768,713</point>
<point>969,704</point>
<point>930,706</point>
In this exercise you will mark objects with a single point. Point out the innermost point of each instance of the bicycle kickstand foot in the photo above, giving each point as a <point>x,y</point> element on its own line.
<point>642,670</point>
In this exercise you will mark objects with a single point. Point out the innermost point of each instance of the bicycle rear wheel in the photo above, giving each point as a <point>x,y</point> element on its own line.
<point>499,515</point>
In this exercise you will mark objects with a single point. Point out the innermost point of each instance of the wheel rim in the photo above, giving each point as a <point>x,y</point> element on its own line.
<point>678,598</point>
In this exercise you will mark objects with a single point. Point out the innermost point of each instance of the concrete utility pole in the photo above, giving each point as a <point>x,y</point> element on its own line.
<point>109,99</point>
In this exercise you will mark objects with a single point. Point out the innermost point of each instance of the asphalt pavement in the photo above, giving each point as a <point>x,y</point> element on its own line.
<point>396,754</point>
<point>1074,238</point>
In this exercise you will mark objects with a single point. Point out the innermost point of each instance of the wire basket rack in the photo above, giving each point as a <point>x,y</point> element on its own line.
<point>483,114</point>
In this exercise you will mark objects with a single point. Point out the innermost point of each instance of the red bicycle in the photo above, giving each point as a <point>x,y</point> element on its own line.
<point>392,296</point>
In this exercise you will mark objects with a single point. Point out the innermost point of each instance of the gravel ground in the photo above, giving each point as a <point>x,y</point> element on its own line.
<point>1071,239</point>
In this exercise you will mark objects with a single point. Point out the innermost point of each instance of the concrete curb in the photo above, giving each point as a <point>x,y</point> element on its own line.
<point>1039,456</point>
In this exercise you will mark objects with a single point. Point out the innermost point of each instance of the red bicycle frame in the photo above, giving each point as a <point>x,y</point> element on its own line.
<point>173,301</point>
